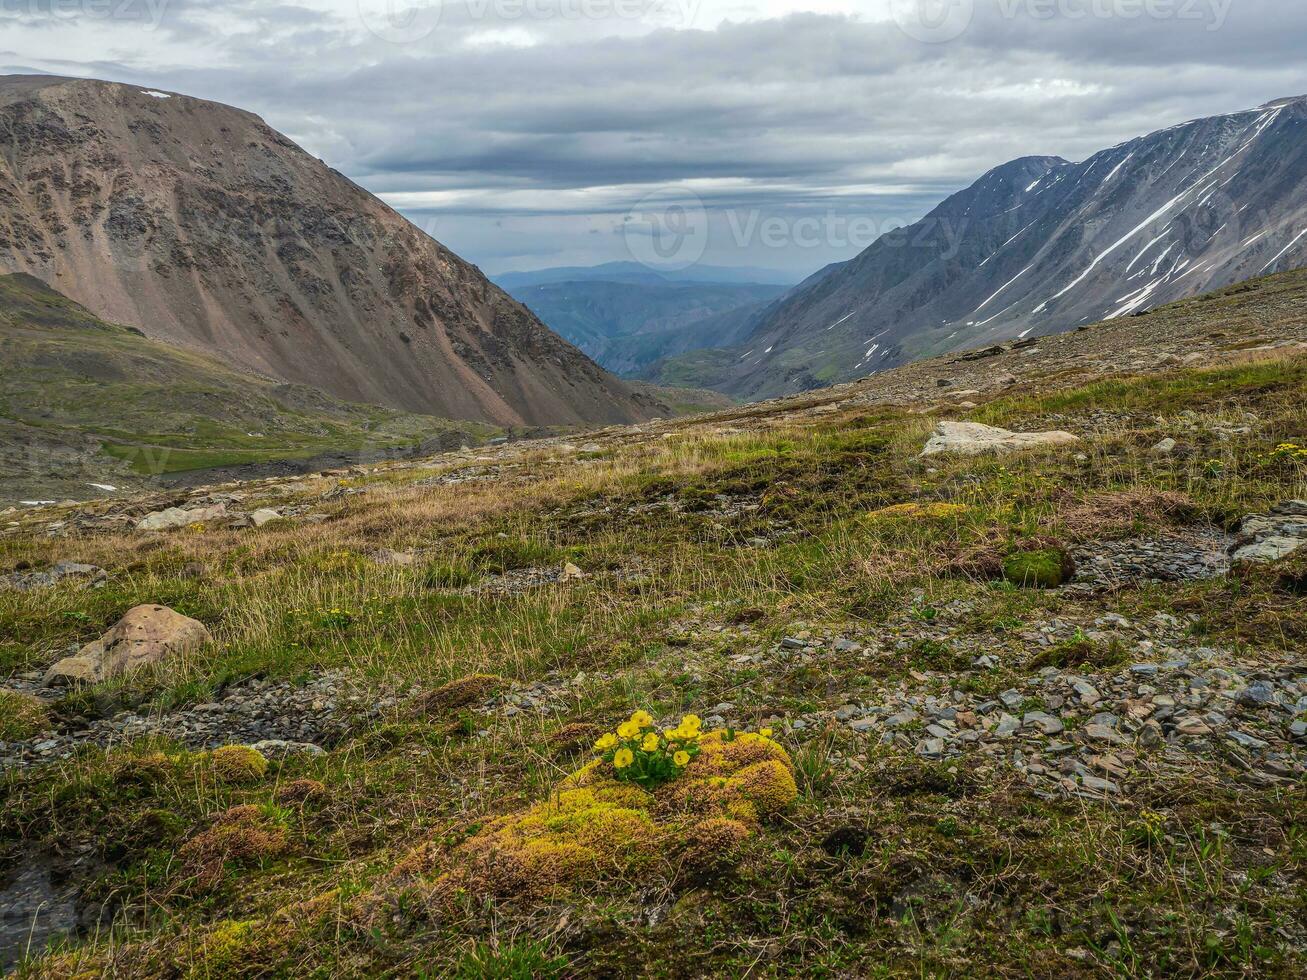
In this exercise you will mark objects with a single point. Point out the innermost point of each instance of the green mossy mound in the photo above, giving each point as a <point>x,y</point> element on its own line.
<point>593,829</point>
<point>1045,568</point>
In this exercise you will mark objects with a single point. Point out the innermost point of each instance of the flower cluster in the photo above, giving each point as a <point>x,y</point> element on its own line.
<point>643,755</point>
<point>1288,452</point>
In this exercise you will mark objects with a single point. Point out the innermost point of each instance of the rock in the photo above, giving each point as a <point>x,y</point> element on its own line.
<point>175,517</point>
<point>263,515</point>
<point>23,581</point>
<point>1007,726</point>
<point>386,556</point>
<point>1193,725</point>
<point>1165,447</point>
<point>1046,723</point>
<point>1101,733</point>
<point>971,438</point>
<point>1265,538</point>
<point>277,748</point>
<point>905,717</point>
<point>931,748</point>
<point>1247,741</point>
<point>571,573</point>
<point>145,635</point>
<point>1098,785</point>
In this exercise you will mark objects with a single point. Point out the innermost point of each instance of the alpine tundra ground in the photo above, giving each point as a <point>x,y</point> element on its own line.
<point>1037,721</point>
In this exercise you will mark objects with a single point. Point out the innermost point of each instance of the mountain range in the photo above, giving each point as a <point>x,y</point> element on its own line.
<point>203,227</point>
<point>628,316</point>
<point>1037,246</point>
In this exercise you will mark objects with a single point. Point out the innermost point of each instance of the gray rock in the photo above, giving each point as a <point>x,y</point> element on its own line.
<point>1046,723</point>
<point>1247,741</point>
<point>972,438</point>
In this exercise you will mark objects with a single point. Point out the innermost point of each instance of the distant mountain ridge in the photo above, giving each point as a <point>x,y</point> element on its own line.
<point>203,227</point>
<point>1040,245</point>
<point>628,316</point>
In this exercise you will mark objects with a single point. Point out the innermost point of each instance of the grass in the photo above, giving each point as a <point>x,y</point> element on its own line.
<point>886,865</point>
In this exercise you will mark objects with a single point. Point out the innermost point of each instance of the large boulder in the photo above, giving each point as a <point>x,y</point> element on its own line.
<point>145,635</point>
<point>1269,537</point>
<point>972,438</point>
<point>175,517</point>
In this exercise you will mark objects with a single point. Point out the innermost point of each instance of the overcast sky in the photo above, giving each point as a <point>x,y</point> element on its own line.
<point>778,133</point>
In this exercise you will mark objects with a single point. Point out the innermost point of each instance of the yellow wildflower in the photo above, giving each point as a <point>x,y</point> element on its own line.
<point>642,719</point>
<point>628,729</point>
<point>606,742</point>
<point>650,743</point>
<point>623,758</point>
<point>691,723</point>
<point>681,758</point>
<point>765,732</point>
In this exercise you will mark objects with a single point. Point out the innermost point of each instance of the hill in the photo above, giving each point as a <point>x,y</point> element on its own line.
<point>91,409</point>
<point>202,226</point>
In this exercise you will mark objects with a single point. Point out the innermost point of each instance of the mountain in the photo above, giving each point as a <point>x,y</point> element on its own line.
<point>628,317</point>
<point>200,225</point>
<point>87,405</point>
<point>639,272</point>
<point>1040,245</point>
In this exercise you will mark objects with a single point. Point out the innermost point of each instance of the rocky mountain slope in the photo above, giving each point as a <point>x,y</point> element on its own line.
<point>1041,713</point>
<point>90,409</point>
<point>1040,245</point>
<point>203,227</point>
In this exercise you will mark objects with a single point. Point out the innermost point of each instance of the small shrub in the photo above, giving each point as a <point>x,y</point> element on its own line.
<point>301,791</point>
<point>243,835</point>
<point>239,764</point>
<point>459,693</point>
<point>22,716</point>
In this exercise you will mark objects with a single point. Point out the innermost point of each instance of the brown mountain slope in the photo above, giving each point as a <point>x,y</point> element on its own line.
<point>204,227</point>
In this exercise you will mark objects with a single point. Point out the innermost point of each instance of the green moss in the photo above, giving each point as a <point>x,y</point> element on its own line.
<point>1046,568</point>
<point>239,764</point>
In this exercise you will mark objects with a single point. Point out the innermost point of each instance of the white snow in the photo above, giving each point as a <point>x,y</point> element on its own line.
<point>1144,251</point>
<point>1022,334</point>
<point>107,487</point>
<point>769,349</point>
<point>1283,250</point>
<point>840,320</point>
<point>1003,287</point>
<point>37,503</point>
<point>1034,185</point>
<point>1117,169</point>
<point>156,95</point>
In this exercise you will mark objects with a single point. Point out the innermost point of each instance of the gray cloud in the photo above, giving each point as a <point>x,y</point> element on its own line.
<point>796,116</point>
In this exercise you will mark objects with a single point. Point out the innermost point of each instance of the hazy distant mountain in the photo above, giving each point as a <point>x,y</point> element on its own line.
<point>639,272</point>
<point>203,227</point>
<point>1040,245</point>
<point>627,316</point>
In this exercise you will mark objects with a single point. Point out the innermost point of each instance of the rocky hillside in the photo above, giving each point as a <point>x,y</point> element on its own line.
<point>203,227</point>
<point>765,692</point>
<point>90,409</point>
<point>1041,245</point>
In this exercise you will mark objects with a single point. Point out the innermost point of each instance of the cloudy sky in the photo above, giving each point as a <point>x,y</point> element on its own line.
<point>776,133</point>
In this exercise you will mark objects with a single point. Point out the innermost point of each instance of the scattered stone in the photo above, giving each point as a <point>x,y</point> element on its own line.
<point>1165,447</point>
<point>263,516</point>
<point>1265,538</point>
<point>971,438</point>
<point>146,635</point>
<point>175,517</point>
